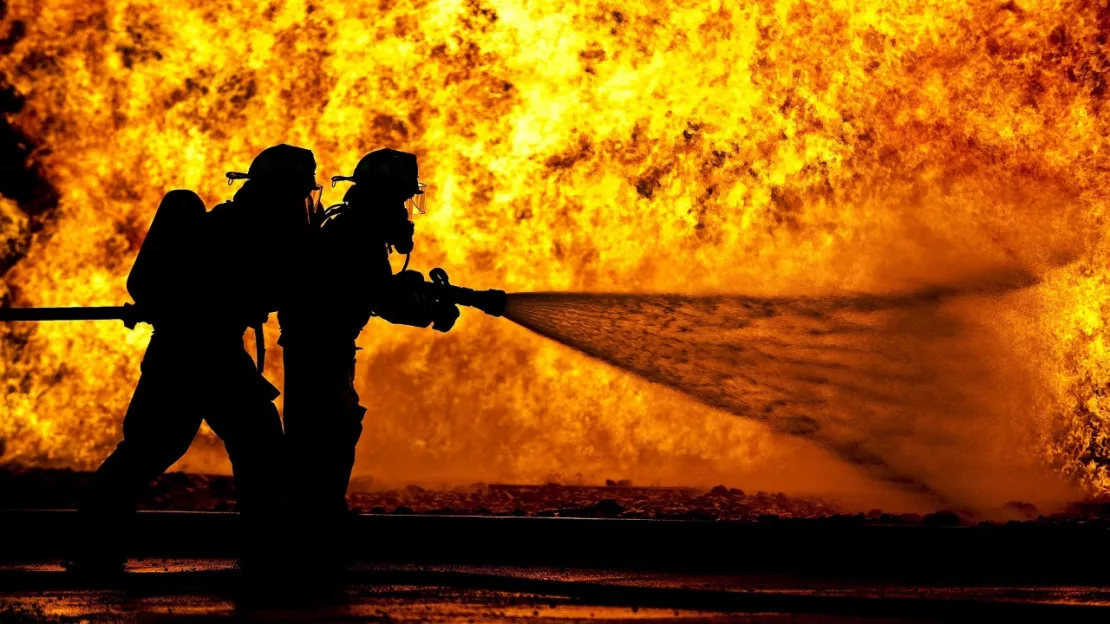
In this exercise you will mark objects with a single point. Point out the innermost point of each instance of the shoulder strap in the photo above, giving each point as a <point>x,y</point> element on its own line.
<point>320,217</point>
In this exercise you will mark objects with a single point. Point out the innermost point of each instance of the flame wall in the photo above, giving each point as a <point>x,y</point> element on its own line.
<point>756,147</point>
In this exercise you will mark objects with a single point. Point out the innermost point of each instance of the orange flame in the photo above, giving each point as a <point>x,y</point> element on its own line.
<point>764,147</point>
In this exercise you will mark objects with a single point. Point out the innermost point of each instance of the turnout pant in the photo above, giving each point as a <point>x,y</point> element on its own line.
<point>186,379</point>
<point>323,422</point>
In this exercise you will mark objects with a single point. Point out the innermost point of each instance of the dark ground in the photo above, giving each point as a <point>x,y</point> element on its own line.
<point>571,553</point>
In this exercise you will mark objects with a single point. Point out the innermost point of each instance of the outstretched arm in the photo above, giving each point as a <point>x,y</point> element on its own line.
<point>407,300</point>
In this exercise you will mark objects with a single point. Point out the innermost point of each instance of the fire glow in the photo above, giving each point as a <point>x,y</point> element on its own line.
<point>769,148</point>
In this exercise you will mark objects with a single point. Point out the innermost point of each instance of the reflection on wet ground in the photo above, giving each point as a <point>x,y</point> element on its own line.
<point>459,607</point>
<point>180,590</point>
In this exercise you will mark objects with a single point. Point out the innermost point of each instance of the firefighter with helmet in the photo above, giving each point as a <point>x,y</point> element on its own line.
<point>201,278</point>
<point>351,280</point>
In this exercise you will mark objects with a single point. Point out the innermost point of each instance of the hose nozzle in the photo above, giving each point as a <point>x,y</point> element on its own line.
<point>492,302</point>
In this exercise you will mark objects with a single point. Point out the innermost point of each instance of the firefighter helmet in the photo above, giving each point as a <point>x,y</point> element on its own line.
<point>392,171</point>
<point>283,165</point>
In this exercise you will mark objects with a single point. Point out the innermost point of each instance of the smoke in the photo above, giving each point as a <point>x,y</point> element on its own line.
<point>913,389</point>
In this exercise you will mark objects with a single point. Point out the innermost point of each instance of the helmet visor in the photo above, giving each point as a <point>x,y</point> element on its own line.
<point>313,201</point>
<point>316,195</point>
<point>416,204</point>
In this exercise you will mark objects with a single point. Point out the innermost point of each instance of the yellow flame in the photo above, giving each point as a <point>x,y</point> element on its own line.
<point>759,147</point>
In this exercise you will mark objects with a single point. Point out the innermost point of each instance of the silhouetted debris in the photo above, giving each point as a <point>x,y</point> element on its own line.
<point>846,519</point>
<point>1025,511</point>
<point>1089,509</point>
<point>60,488</point>
<point>943,518</point>
<point>607,507</point>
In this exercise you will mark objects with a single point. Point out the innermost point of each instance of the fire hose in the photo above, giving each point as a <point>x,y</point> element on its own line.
<point>491,302</point>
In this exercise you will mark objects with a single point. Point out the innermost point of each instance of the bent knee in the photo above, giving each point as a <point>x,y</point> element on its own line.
<point>146,459</point>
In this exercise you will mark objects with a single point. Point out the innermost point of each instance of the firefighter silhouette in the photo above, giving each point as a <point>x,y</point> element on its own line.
<point>350,280</point>
<point>201,278</point>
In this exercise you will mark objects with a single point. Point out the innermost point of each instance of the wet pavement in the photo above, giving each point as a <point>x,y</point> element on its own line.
<point>1022,554</point>
<point>468,569</point>
<point>209,589</point>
